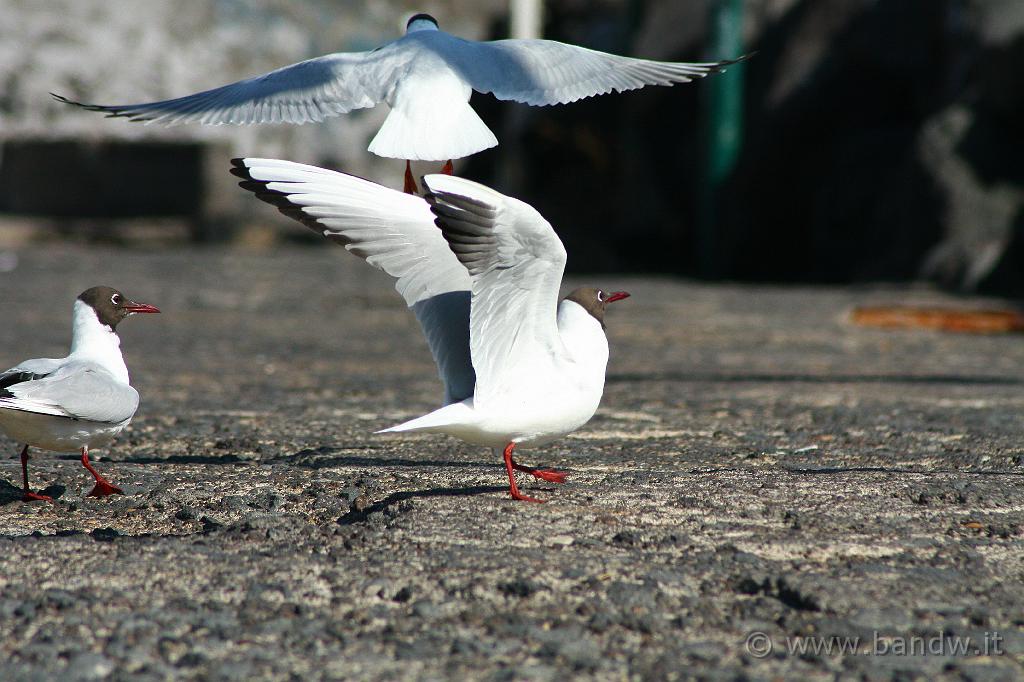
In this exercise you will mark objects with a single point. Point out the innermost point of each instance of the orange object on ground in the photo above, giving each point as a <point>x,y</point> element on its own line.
<point>970,321</point>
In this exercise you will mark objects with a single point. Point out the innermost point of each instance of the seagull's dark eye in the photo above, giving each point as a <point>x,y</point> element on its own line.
<point>600,295</point>
<point>116,299</point>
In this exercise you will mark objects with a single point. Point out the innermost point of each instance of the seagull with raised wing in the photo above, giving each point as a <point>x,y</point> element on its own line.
<point>426,78</point>
<point>481,271</point>
<point>80,401</point>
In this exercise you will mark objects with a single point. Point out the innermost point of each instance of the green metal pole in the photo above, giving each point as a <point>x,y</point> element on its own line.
<point>722,128</point>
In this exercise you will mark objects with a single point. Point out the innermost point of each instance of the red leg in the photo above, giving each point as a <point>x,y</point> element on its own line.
<point>28,495</point>
<point>513,488</point>
<point>410,181</point>
<point>103,486</point>
<point>447,167</point>
<point>549,475</point>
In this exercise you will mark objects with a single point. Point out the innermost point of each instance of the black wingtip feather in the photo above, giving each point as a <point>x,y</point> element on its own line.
<point>467,225</point>
<point>458,200</point>
<point>110,111</point>
<point>15,378</point>
<point>277,199</point>
<point>725,64</point>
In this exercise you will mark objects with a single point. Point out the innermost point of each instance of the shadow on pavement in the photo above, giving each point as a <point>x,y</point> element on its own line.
<point>360,516</point>
<point>322,457</point>
<point>187,459</point>
<point>10,493</point>
<point>895,470</point>
<point>815,378</point>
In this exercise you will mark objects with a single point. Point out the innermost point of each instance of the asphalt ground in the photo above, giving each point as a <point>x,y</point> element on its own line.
<point>767,492</point>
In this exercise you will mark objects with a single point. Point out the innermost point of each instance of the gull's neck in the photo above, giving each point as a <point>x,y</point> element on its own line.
<point>94,341</point>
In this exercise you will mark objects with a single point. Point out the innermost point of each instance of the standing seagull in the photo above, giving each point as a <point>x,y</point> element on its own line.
<point>426,77</point>
<point>80,401</point>
<point>481,271</point>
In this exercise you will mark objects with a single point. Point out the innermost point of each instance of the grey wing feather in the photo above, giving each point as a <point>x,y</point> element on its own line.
<point>544,72</point>
<point>41,366</point>
<point>29,370</point>
<point>307,91</point>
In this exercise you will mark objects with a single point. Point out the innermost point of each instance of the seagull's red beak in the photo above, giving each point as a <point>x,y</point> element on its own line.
<point>616,296</point>
<point>134,307</point>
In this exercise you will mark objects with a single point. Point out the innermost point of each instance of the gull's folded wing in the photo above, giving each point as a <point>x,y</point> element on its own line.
<point>77,390</point>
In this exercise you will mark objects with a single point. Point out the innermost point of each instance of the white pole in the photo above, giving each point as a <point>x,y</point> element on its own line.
<point>526,18</point>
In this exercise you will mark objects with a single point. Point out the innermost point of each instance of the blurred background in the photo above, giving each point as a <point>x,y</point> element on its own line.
<point>867,140</point>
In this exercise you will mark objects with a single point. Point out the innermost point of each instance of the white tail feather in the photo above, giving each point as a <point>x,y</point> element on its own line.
<point>439,420</point>
<point>432,133</point>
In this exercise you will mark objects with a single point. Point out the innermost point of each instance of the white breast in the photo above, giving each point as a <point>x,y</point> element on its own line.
<point>585,342</point>
<point>555,396</point>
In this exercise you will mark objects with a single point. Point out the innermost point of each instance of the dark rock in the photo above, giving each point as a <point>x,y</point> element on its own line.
<point>186,514</point>
<point>104,534</point>
<point>626,537</point>
<point>519,587</point>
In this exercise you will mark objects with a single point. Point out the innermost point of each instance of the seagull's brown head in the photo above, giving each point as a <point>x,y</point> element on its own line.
<point>595,301</point>
<point>112,306</point>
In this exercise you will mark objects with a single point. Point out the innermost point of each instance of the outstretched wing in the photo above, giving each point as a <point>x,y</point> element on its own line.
<point>543,72</point>
<point>516,262</point>
<point>308,91</point>
<point>78,390</point>
<point>391,231</point>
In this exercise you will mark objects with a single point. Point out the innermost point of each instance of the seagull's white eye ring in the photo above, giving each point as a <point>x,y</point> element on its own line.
<point>116,299</point>
<point>600,296</point>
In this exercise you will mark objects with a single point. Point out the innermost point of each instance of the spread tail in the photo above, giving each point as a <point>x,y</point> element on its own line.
<point>431,133</point>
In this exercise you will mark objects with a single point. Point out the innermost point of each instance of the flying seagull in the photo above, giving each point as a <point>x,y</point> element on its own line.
<point>80,401</point>
<point>426,78</point>
<point>481,271</point>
